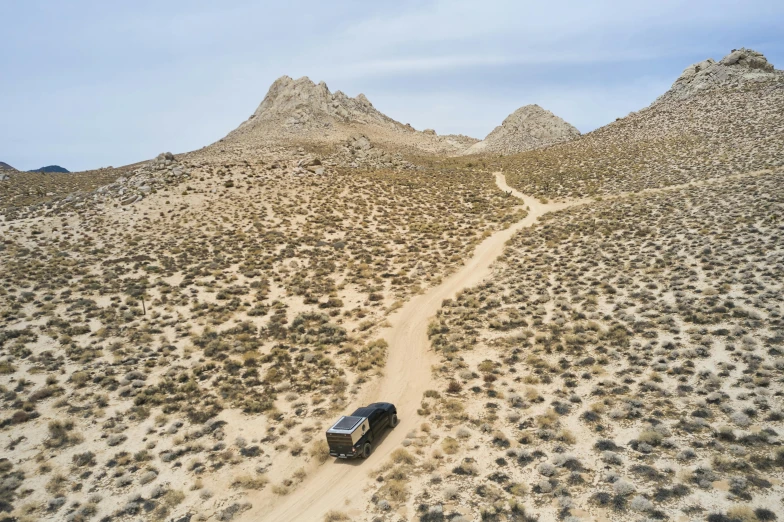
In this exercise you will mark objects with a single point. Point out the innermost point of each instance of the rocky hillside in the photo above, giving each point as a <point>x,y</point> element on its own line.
<point>302,112</point>
<point>527,128</point>
<point>5,170</point>
<point>740,66</point>
<point>719,118</point>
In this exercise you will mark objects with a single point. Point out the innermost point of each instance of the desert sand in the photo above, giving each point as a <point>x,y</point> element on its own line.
<point>572,327</point>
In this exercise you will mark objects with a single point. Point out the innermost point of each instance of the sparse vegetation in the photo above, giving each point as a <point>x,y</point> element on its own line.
<point>175,334</point>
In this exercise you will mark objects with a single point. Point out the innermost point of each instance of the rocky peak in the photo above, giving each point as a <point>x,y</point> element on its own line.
<point>748,59</point>
<point>740,65</point>
<point>528,127</point>
<point>302,103</point>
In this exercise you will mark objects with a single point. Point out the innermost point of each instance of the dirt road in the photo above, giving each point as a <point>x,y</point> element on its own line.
<point>340,485</point>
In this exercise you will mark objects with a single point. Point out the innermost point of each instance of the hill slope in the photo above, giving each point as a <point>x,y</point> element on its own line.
<point>528,127</point>
<point>718,118</point>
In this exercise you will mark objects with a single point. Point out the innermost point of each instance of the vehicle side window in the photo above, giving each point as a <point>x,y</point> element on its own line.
<point>374,416</point>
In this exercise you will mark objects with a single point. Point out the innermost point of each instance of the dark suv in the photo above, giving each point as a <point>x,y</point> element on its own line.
<point>352,435</point>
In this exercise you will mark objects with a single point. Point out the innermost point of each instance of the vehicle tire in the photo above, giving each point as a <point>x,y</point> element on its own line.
<point>393,421</point>
<point>366,449</point>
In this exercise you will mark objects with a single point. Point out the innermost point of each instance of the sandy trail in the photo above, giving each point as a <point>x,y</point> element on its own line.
<point>340,485</point>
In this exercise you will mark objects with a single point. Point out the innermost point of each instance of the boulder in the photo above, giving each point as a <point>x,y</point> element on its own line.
<point>747,58</point>
<point>308,162</point>
<point>362,143</point>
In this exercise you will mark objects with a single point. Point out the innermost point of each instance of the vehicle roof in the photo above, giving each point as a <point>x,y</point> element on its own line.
<point>347,423</point>
<point>384,405</point>
<point>365,411</point>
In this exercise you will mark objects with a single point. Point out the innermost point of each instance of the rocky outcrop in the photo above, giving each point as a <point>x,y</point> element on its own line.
<point>359,152</point>
<point>163,170</point>
<point>740,66</point>
<point>303,104</point>
<point>528,127</point>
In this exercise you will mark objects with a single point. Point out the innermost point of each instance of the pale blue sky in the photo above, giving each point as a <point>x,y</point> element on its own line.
<point>87,84</point>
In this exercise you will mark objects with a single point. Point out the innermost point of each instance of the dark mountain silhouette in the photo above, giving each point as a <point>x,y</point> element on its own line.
<point>52,168</point>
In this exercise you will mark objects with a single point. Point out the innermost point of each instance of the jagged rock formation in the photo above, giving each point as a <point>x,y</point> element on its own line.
<point>740,66</point>
<point>527,128</point>
<point>163,170</point>
<point>302,103</point>
<point>303,112</point>
<point>359,152</point>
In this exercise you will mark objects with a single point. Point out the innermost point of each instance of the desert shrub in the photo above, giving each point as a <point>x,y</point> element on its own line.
<point>84,459</point>
<point>742,514</point>
<point>60,434</point>
<point>320,451</point>
<point>396,490</point>
<point>450,445</point>
<point>250,482</point>
<point>401,456</point>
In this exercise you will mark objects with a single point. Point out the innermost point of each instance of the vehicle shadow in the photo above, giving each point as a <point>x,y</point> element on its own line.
<point>376,444</point>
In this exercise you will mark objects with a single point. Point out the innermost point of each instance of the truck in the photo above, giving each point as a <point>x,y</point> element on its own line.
<point>352,435</point>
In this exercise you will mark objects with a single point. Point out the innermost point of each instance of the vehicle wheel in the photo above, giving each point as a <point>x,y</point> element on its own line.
<point>366,449</point>
<point>393,421</point>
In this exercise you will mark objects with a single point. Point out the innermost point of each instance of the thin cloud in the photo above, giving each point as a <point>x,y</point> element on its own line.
<point>465,61</point>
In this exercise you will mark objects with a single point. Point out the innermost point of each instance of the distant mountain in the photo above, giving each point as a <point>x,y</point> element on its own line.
<point>6,166</point>
<point>51,169</point>
<point>528,127</point>
<point>301,111</point>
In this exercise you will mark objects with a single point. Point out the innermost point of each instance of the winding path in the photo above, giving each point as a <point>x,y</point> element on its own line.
<point>340,485</point>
